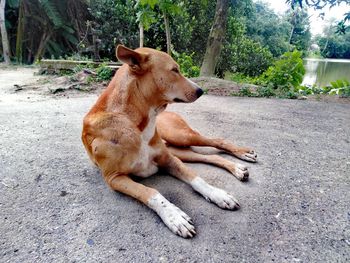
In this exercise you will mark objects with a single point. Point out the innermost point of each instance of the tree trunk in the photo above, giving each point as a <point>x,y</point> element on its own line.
<point>5,41</point>
<point>20,31</point>
<point>294,20</point>
<point>141,34</point>
<point>167,33</point>
<point>42,46</point>
<point>216,36</point>
<point>325,46</point>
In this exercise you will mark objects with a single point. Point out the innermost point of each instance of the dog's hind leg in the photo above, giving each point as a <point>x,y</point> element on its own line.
<point>173,129</point>
<point>188,155</point>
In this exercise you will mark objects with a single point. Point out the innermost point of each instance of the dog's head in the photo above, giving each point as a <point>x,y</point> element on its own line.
<point>160,74</point>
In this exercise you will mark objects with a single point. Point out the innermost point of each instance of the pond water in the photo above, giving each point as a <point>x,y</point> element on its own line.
<point>321,72</point>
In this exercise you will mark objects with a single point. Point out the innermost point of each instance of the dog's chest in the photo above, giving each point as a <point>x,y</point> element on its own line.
<point>144,165</point>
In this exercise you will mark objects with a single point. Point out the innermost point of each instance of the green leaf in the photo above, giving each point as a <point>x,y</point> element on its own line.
<point>151,3</point>
<point>334,84</point>
<point>52,12</point>
<point>12,3</point>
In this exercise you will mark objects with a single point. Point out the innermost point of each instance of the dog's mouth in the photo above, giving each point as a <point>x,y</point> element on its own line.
<point>178,100</point>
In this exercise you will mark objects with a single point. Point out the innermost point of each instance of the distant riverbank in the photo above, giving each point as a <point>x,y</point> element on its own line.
<point>321,72</point>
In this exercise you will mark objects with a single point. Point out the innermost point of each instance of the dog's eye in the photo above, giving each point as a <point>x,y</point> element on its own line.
<point>176,70</point>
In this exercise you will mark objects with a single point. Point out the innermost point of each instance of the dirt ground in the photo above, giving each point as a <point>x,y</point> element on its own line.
<point>55,206</point>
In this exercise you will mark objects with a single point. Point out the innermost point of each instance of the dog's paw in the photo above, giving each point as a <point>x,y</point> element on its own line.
<point>174,218</point>
<point>178,221</point>
<point>215,195</point>
<point>222,199</point>
<point>249,156</point>
<point>241,172</point>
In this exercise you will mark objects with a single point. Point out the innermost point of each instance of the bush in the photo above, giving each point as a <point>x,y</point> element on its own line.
<point>239,78</point>
<point>305,90</point>
<point>340,87</point>
<point>286,73</point>
<point>265,92</point>
<point>245,92</point>
<point>289,95</point>
<point>245,56</point>
<point>104,72</point>
<point>187,66</point>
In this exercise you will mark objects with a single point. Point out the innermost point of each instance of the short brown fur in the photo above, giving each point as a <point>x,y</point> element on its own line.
<point>119,132</point>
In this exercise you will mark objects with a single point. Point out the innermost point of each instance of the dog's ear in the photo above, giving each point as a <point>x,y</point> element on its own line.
<point>134,59</point>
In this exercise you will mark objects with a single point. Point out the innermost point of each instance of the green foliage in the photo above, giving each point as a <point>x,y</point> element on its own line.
<point>52,12</point>
<point>300,37</point>
<point>245,92</point>
<point>187,66</point>
<point>279,80</point>
<point>305,90</point>
<point>250,57</point>
<point>104,73</point>
<point>289,95</point>
<point>340,87</point>
<point>191,30</point>
<point>265,92</point>
<point>151,3</point>
<point>242,54</point>
<point>115,22</point>
<point>239,78</point>
<point>45,28</point>
<point>12,3</point>
<point>319,5</point>
<point>146,17</point>
<point>286,73</point>
<point>334,45</point>
<point>266,27</point>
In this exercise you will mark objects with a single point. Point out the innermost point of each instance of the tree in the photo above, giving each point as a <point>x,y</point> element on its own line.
<point>240,53</point>
<point>40,28</point>
<point>116,23</point>
<point>320,4</point>
<point>300,35</point>
<point>332,44</point>
<point>263,25</point>
<point>4,37</point>
<point>216,36</point>
<point>191,34</point>
<point>328,32</point>
<point>146,16</point>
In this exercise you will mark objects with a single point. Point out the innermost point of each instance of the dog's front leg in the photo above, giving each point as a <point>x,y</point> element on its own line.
<point>178,222</point>
<point>218,196</point>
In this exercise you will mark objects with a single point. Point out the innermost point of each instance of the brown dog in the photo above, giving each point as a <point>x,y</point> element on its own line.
<point>123,133</point>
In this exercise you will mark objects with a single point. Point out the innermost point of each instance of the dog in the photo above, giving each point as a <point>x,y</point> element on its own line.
<point>128,132</point>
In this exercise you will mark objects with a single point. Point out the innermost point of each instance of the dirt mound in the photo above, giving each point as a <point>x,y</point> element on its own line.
<point>75,84</point>
<point>221,87</point>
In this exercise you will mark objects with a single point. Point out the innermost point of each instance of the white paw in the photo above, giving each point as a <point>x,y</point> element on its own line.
<point>222,199</point>
<point>177,220</point>
<point>241,172</point>
<point>215,195</point>
<point>249,156</point>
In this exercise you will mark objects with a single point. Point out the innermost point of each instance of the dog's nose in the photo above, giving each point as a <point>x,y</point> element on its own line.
<point>199,92</point>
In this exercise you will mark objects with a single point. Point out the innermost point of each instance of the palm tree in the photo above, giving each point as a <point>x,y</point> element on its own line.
<point>51,27</point>
<point>146,16</point>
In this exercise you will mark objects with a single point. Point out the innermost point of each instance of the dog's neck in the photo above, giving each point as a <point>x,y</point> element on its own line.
<point>130,98</point>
